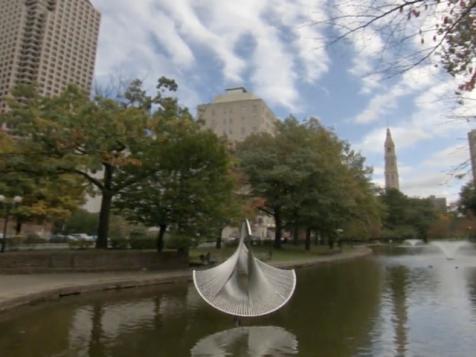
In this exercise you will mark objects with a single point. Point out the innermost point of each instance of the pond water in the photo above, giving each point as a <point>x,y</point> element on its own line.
<point>403,301</point>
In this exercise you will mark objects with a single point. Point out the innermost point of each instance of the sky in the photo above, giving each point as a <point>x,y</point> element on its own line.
<point>276,49</point>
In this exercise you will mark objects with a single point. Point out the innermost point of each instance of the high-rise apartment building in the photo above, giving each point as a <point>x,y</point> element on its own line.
<point>391,169</point>
<point>237,114</point>
<point>50,43</point>
<point>472,151</point>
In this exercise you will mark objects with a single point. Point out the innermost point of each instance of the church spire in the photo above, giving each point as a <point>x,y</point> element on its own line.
<point>391,170</point>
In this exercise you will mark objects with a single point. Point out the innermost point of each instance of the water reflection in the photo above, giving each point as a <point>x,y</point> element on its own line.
<point>405,302</point>
<point>255,341</point>
<point>397,282</point>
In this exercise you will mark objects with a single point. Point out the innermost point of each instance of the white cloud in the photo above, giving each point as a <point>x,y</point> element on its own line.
<point>152,38</point>
<point>379,105</point>
<point>412,82</point>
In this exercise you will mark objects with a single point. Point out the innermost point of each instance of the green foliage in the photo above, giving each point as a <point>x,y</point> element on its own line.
<point>407,217</point>
<point>179,242</point>
<point>119,228</point>
<point>306,177</point>
<point>45,197</point>
<point>70,137</point>
<point>81,221</point>
<point>119,243</point>
<point>467,199</point>
<point>190,187</point>
<point>142,243</point>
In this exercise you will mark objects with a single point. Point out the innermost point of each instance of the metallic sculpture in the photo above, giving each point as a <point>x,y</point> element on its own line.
<point>243,285</point>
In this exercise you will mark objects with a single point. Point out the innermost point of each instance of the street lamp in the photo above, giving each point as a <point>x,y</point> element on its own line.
<point>7,204</point>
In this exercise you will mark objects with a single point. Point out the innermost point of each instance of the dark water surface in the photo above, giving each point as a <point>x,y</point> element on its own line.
<point>401,302</point>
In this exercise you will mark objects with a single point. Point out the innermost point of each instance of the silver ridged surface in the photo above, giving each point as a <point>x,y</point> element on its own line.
<point>243,285</point>
<point>259,341</point>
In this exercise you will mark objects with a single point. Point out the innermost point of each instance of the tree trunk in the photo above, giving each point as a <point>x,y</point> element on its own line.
<point>18,226</point>
<point>103,226</point>
<point>279,229</point>
<point>5,227</point>
<point>296,234</point>
<point>104,213</point>
<point>308,239</point>
<point>160,237</point>
<point>218,241</point>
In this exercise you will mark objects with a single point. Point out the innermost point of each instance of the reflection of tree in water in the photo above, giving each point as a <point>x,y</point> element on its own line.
<point>471,288</point>
<point>397,279</point>
<point>36,332</point>
<point>96,344</point>
<point>334,308</point>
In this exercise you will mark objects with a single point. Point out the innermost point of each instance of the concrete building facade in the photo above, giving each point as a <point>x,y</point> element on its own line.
<point>49,43</point>
<point>237,114</point>
<point>391,168</point>
<point>439,203</point>
<point>472,152</point>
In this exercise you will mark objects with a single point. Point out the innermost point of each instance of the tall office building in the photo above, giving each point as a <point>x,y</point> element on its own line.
<point>50,43</point>
<point>472,151</point>
<point>237,114</point>
<point>391,169</point>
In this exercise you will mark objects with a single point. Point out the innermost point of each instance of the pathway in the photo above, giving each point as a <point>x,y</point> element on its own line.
<point>18,290</point>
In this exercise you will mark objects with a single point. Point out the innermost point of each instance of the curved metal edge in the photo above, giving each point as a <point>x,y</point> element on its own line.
<point>290,295</point>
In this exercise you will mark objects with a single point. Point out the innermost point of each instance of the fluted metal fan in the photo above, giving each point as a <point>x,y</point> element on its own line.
<point>243,285</point>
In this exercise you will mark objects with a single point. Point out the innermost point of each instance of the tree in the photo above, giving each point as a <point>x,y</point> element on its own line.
<point>190,188</point>
<point>81,221</point>
<point>467,199</point>
<point>45,198</point>
<point>306,178</point>
<point>414,32</point>
<point>272,171</point>
<point>92,139</point>
<point>407,217</point>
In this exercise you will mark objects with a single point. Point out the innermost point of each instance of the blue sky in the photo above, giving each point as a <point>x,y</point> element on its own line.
<point>271,48</point>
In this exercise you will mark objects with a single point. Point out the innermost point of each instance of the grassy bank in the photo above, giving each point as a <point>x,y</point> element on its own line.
<point>287,253</point>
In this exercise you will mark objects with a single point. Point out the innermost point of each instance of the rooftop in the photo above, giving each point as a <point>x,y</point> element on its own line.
<point>234,95</point>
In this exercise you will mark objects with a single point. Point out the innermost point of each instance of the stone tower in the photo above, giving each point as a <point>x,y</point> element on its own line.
<point>391,170</point>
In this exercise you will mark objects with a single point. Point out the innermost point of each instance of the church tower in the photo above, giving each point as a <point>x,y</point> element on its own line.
<point>391,170</point>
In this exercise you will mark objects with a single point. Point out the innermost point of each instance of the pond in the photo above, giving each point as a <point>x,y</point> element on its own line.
<point>408,300</point>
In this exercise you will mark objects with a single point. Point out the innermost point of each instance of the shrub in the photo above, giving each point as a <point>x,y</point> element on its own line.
<point>33,238</point>
<point>142,243</point>
<point>179,242</point>
<point>81,244</point>
<point>16,241</point>
<point>119,243</point>
<point>81,221</point>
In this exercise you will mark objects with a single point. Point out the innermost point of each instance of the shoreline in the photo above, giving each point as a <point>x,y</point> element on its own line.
<point>20,290</point>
